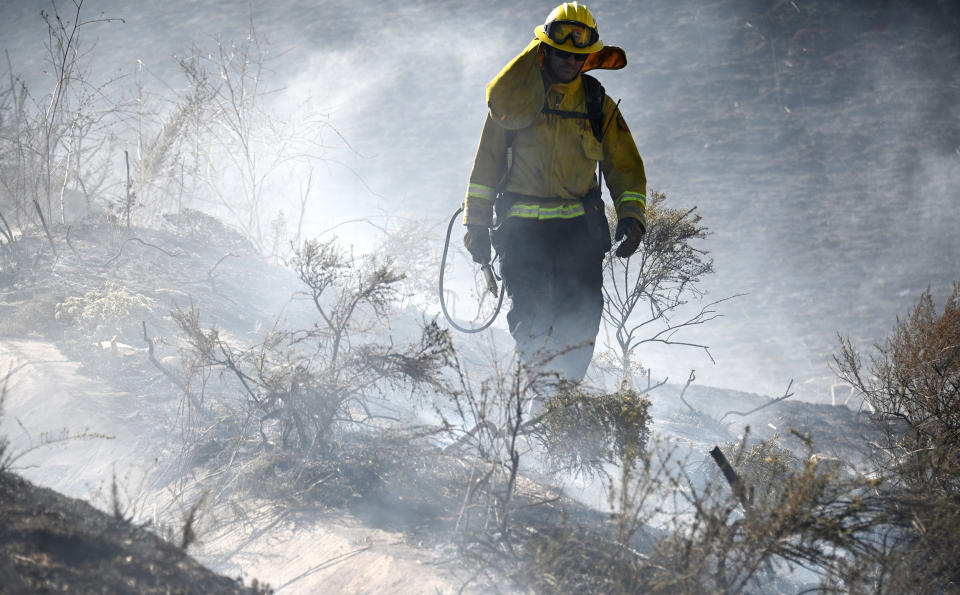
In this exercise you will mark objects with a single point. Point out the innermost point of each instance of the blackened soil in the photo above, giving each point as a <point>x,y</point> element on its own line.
<point>50,543</point>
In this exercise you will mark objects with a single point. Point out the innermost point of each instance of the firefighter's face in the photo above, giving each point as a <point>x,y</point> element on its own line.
<point>563,66</point>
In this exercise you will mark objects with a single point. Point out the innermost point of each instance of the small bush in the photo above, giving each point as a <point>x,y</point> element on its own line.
<point>113,311</point>
<point>302,388</point>
<point>801,513</point>
<point>647,298</point>
<point>913,386</point>
<point>764,467</point>
<point>582,432</point>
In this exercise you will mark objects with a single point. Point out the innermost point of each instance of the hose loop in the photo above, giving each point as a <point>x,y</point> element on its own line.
<point>443,303</point>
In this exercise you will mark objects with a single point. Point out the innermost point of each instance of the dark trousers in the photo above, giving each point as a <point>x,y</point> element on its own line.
<point>553,272</point>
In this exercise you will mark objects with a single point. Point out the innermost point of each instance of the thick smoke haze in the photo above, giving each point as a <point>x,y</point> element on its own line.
<point>820,141</point>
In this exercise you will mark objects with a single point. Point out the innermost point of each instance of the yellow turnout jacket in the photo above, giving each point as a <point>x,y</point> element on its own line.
<point>553,157</point>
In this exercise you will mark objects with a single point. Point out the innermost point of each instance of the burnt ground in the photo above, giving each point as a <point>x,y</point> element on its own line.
<point>389,482</point>
<point>50,544</point>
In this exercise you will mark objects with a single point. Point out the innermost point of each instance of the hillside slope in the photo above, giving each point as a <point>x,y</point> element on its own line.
<point>50,543</point>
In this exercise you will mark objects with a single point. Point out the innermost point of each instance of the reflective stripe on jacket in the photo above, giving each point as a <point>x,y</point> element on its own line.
<point>556,158</point>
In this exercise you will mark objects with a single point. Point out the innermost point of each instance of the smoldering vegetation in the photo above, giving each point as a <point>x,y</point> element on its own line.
<point>297,373</point>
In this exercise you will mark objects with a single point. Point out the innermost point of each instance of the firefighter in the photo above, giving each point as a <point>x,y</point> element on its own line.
<point>548,127</point>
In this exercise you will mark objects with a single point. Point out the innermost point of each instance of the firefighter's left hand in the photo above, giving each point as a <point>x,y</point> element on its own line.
<point>631,232</point>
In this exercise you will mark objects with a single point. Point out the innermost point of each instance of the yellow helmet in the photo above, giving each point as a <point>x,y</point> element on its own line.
<point>570,27</point>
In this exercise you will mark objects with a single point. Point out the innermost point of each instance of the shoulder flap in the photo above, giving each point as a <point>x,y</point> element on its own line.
<point>516,95</point>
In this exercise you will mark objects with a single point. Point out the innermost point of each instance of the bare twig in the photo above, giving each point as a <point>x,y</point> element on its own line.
<point>7,233</point>
<point>459,442</point>
<point>128,204</point>
<point>326,564</point>
<point>786,395</point>
<point>188,534</point>
<point>138,240</point>
<point>683,392</point>
<point>45,228</point>
<point>70,244</point>
<point>210,276</point>
<point>158,365</point>
<point>304,195</point>
<point>650,386</point>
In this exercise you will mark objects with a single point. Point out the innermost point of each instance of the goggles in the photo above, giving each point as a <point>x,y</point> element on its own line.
<point>581,35</point>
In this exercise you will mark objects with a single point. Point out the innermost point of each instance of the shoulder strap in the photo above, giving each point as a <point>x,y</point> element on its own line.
<point>594,94</point>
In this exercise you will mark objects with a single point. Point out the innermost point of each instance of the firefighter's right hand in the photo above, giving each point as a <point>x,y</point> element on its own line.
<point>477,241</point>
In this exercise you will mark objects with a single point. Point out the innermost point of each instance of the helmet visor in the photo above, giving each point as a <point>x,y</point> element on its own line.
<point>581,35</point>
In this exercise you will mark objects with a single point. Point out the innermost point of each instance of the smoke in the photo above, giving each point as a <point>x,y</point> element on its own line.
<point>818,140</point>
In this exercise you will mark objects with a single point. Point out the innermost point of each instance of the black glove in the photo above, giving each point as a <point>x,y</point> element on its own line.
<point>631,232</point>
<point>477,241</point>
